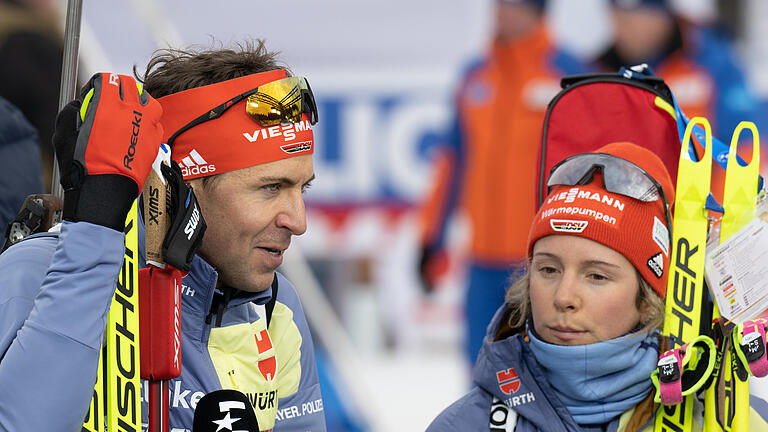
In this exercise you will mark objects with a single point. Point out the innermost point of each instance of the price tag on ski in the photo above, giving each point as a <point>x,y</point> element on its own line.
<point>737,272</point>
<point>686,295</point>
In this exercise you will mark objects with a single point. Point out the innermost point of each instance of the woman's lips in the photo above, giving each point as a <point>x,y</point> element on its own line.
<point>566,333</point>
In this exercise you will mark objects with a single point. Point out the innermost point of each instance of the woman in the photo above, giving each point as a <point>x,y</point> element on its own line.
<point>575,344</point>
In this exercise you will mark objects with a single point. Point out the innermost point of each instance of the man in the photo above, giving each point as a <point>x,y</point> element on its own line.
<point>487,165</point>
<point>242,324</point>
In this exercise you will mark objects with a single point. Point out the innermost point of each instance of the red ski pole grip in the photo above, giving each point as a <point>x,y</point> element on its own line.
<point>159,322</point>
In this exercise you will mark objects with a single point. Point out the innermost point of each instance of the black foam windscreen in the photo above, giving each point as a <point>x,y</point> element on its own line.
<point>224,410</point>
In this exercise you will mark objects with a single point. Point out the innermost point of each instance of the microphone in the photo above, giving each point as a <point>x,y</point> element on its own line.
<point>224,410</point>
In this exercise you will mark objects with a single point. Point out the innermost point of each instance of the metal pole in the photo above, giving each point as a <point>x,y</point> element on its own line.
<point>68,74</point>
<point>334,337</point>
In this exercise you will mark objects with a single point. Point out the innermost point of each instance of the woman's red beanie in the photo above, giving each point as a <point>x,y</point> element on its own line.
<point>636,229</point>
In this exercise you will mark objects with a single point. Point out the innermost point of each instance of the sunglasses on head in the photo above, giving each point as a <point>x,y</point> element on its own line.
<point>619,176</point>
<point>270,104</point>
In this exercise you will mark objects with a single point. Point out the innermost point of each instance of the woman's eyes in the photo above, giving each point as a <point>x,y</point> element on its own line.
<point>597,276</point>
<point>547,270</point>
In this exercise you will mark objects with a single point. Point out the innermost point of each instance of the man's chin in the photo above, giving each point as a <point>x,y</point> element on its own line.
<point>259,283</point>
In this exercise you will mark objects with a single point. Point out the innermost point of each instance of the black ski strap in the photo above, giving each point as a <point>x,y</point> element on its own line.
<point>270,306</point>
<point>220,301</point>
<point>185,235</point>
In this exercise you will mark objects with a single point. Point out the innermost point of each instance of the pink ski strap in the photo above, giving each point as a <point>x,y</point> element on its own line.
<point>684,370</point>
<point>751,341</point>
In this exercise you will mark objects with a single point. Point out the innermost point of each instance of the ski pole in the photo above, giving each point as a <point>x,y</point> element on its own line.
<point>159,300</point>
<point>68,89</point>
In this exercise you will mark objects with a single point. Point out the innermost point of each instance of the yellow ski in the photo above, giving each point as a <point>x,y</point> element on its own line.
<point>686,295</point>
<point>94,420</point>
<point>727,399</point>
<point>116,399</point>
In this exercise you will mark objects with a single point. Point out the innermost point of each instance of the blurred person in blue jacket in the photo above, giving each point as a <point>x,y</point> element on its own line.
<point>20,171</point>
<point>697,61</point>
<point>31,51</point>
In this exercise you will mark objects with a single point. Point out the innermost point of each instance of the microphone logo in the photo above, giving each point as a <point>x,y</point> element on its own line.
<point>227,421</point>
<point>225,411</point>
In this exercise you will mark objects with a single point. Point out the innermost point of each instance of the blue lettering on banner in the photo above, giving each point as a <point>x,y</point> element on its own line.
<point>376,147</point>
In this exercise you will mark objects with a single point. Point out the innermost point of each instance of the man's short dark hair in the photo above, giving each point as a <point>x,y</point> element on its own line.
<point>173,70</point>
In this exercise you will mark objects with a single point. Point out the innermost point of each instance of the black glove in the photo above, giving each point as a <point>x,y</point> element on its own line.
<point>427,261</point>
<point>105,151</point>
<point>187,227</point>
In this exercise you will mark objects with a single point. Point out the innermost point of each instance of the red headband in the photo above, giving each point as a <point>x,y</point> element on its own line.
<point>234,140</point>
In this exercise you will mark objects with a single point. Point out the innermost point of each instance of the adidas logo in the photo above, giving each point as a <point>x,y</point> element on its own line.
<point>656,264</point>
<point>194,164</point>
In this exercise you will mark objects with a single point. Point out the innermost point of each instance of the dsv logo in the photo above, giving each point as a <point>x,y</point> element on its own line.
<point>565,225</point>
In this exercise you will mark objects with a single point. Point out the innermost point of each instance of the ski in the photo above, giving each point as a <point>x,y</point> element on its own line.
<point>116,404</point>
<point>94,419</point>
<point>727,398</point>
<point>686,296</point>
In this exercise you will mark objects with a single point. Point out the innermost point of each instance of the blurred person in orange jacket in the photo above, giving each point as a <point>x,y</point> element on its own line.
<point>486,164</point>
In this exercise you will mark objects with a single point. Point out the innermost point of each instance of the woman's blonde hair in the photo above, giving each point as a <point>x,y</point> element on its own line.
<point>518,300</point>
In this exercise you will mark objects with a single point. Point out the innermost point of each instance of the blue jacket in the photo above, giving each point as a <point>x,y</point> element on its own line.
<point>520,394</point>
<point>511,392</point>
<point>55,292</point>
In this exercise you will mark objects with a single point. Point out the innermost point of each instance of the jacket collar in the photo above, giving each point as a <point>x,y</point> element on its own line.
<point>198,291</point>
<point>202,280</point>
<point>507,369</point>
